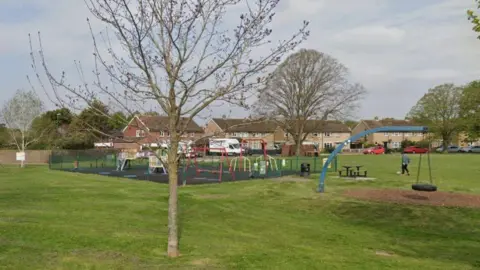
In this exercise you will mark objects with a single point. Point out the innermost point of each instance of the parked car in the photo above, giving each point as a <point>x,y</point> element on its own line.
<point>470,149</point>
<point>377,150</point>
<point>415,150</point>
<point>450,149</point>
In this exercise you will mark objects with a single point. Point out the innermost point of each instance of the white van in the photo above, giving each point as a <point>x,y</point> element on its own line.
<point>232,146</point>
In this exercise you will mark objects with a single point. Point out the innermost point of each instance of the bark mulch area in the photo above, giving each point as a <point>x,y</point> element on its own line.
<point>437,198</point>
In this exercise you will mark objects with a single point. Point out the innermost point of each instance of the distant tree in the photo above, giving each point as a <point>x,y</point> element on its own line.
<point>439,109</point>
<point>19,113</point>
<point>473,17</point>
<point>4,136</point>
<point>470,110</point>
<point>118,121</point>
<point>308,85</point>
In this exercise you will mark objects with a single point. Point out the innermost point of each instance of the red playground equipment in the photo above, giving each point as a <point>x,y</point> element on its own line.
<point>245,143</point>
<point>213,167</point>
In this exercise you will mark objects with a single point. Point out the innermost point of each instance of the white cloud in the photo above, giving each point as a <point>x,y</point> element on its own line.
<point>376,35</point>
<point>398,49</point>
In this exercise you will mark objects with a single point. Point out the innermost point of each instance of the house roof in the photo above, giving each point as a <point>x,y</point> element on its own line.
<point>389,122</point>
<point>266,126</point>
<point>245,125</point>
<point>160,123</point>
<point>326,126</point>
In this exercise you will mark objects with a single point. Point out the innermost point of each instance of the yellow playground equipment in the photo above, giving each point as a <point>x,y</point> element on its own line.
<point>247,164</point>
<point>155,163</point>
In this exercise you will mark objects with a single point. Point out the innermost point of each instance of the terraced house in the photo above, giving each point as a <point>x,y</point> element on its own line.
<point>246,129</point>
<point>393,139</point>
<point>327,134</point>
<point>324,134</point>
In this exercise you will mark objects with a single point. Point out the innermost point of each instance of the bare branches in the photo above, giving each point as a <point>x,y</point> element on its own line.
<point>308,86</point>
<point>179,54</point>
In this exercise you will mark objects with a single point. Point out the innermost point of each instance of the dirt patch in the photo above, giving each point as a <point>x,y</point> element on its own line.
<point>438,198</point>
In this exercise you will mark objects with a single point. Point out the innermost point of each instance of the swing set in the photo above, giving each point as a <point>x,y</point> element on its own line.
<point>424,186</point>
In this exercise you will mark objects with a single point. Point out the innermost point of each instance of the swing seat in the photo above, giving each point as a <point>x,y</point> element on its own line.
<point>424,187</point>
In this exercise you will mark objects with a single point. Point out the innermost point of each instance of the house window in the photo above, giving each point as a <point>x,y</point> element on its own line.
<point>408,134</point>
<point>396,144</point>
<point>328,145</point>
<point>162,134</point>
<point>396,134</point>
<point>315,134</point>
<point>140,133</point>
<point>327,134</point>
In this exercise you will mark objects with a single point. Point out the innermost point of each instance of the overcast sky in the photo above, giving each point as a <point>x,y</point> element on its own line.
<point>396,49</point>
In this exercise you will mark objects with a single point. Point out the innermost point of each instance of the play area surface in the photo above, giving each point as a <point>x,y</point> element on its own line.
<point>188,176</point>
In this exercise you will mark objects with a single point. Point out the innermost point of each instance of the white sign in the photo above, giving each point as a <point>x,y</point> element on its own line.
<point>20,156</point>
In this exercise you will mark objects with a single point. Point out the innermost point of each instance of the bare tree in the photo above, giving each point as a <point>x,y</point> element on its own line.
<point>19,113</point>
<point>182,56</point>
<point>308,88</point>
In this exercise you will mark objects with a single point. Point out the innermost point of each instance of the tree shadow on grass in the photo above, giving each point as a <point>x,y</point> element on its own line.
<point>422,232</point>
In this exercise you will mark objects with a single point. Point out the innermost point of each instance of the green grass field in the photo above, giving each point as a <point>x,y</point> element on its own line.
<point>60,220</point>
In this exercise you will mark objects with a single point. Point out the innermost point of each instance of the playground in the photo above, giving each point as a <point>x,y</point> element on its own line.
<point>194,168</point>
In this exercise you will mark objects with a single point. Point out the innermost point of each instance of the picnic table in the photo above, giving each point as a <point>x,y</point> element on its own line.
<point>350,172</point>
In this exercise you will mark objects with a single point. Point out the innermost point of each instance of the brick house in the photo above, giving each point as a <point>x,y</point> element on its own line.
<point>246,129</point>
<point>394,139</point>
<point>152,130</point>
<point>327,134</point>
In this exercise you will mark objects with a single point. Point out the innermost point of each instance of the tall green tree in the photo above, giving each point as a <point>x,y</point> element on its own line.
<point>470,110</point>
<point>55,125</point>
<point>439,109</point>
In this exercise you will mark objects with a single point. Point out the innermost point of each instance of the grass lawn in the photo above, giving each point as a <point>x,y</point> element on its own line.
<point>60,220</point>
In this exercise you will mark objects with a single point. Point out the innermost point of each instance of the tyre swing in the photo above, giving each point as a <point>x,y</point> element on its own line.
<point>427,187</point>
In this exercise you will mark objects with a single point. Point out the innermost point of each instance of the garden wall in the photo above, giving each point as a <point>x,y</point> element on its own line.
<point>32,156</point>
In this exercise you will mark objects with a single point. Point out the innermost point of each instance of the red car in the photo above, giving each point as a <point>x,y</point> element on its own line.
<point>415,150</point>
<point>377,150</point>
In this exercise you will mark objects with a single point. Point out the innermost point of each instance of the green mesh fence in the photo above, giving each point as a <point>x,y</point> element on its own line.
<point>102,160</point>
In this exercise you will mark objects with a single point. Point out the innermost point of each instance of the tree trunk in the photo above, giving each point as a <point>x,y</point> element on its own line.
<point>445,142</point>
<point>173,250</point>
<point>298,145</point>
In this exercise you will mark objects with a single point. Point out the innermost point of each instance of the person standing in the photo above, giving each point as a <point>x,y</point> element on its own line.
<point>405,162</point>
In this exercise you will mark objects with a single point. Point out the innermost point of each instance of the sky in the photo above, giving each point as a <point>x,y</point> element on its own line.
<point>396,49</point>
